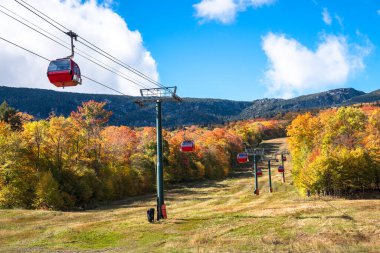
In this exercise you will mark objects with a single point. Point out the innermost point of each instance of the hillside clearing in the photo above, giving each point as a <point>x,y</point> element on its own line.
<point>218,216</point>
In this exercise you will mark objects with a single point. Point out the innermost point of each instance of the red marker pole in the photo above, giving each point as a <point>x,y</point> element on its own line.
<point>283,173</point>
<point>256,177</point>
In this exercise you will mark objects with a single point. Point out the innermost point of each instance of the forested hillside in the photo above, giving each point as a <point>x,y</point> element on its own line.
<point>192,111</point>
<point>69,162</point>
<point>41,103</point>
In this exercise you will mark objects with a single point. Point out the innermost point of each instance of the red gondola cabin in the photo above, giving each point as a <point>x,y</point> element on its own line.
<point>259,172</point>
<point>64,72</point>
<point>187,146</point>
<point>284,158</point>
<point>242,158</point>
<point>281,169</point>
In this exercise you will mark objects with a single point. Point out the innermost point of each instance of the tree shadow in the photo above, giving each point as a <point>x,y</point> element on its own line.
<point>183,189</point>
<point>344,216</point>
<point>187,198</point>
<point>216,217</point>
<point>271,148</point>
<point>375,195</point>
<point>242,174</point>
<point>307,217</point>
<point>127,203</point>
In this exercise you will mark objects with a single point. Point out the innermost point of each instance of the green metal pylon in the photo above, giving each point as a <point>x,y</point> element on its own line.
<point>270,177</point>
<point>158,95</point>
<point>160,167</point>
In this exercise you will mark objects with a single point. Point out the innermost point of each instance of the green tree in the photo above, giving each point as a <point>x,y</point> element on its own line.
<point>48,195</point>
<point>10,115</point>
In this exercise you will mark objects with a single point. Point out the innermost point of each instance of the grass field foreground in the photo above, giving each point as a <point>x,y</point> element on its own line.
<point>211,216</point>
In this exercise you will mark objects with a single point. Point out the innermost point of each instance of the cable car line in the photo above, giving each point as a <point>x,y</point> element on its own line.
<point>82,55</point>
<point>56,37</point>
<point>110,57</point>
<point>23,48</point>
<point>46,59</point>
<point>61,41</point>
<point>34,29</point>
<point>119,62</point>
<point>36,10</point>
<point>110,70</point>
<point>106,86</point>
<point>114,59</point>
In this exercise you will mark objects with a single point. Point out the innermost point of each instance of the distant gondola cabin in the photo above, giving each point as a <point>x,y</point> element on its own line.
<point>242,158</point>
<point>64,73</point>
<point>187,146</point>
<point>281,169</point>
<point>259,172</point>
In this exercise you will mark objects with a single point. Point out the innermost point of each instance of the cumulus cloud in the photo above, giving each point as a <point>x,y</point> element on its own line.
<point>92,20</point>
<point>295,69</point>
<point>222,10</point>
<point>326,17</point>
<point>225,11</point>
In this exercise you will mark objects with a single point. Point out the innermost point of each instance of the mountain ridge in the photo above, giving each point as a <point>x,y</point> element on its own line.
<point>199,111</point>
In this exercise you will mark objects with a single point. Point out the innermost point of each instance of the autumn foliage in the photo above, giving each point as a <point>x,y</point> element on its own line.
<point>65,163</point>
<point>336,152</point>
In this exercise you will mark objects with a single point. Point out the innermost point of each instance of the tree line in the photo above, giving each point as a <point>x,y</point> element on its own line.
<point>337,151</point>
<point>63,163</point>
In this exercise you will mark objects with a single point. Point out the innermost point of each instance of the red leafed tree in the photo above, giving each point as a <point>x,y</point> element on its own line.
<point>91,117</point>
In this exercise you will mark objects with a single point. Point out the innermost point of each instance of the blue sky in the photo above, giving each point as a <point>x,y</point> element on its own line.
<point>207,57</point>
<point>232,49</point>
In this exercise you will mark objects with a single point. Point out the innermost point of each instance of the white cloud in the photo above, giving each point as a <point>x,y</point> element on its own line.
<point>225,11</point>
<point>326,17</point>
<point>295,69</point>
<point>222,10</point>
<point>258,3</point>
<point>92,20</point>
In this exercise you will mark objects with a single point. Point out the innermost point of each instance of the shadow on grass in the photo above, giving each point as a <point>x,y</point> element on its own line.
<point>344,217</point>
<point>183,189</point>
<point>307,217</point>
<point>185,220</point>
<point>271,148</point>
<point>131,202</point>
<point>373,195</point>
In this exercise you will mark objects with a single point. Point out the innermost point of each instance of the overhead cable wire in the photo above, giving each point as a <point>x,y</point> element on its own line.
<point>28,21</point>
<point>116,60</point>
<point>46,59</point>
<point>92,46</point>
<point>106,86</point>
<point>23,48</point>
<point>41,15</point>
<point>93,60</point>
<point>61,40</point>
<point>35,10</point>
